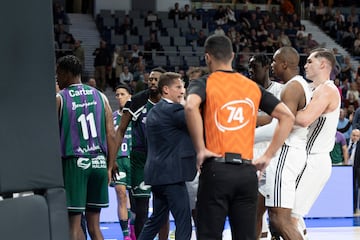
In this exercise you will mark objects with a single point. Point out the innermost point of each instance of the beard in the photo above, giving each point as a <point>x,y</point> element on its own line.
<point>153,92</point>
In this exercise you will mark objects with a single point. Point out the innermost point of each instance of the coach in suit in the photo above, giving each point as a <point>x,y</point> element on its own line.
<point>171,160</point>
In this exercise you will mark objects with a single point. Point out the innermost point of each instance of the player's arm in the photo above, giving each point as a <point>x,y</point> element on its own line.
<point>263,120</point>
<point>317,106</point>
<point>278,110</point>
<point>120,132</point>
<point>58,104</point>
<point>110,138</point>
<point>293,96</point>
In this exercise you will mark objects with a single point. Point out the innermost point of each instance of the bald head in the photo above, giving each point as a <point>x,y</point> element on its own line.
<point>290,56</point>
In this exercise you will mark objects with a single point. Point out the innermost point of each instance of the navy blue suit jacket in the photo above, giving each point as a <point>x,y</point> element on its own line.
<point>171,157</point>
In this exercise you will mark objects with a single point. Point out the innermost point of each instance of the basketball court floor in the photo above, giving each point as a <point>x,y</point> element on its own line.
<point>318,229</point>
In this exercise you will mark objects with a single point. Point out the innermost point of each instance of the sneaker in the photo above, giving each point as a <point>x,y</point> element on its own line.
<point>132,232</point>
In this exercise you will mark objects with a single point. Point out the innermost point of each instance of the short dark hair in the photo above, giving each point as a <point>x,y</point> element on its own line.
<point>220,47</point>
<point>158,69</point>
<point>201,71</point>
<point>167,79</point>
<point>262,59</point>
<point>126,87</point>
<point>71,64</point>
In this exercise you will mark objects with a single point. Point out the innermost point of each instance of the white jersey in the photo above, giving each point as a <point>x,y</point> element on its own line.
<point>298,135</point>
<point>322,131</point>
<point>260,147</point>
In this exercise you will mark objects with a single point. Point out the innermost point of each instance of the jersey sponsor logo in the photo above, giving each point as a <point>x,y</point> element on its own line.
<point>238,114</point>
<point>88,148</point>
<point>120,175</point>
<point>143,186</point>
<point>83,163</point>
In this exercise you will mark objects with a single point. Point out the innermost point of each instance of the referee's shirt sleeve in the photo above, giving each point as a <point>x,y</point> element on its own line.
<point>198,87</point>
<point>268,101</point>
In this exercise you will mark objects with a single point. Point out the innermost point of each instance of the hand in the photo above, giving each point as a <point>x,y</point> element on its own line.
<point>261,163</point>
<point>202,156</point>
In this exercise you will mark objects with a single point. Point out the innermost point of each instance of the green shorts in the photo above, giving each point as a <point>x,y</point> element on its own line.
<point>124,174</point>
<point>138,187</point>
<point>86,183</point>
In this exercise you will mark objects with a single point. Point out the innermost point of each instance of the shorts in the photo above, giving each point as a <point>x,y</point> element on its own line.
<point>281,174</point>
<point>313,179</point>
<point>86,183</point>
<point>192,188</point>
<point>138,187</point>
<point>123,177</point>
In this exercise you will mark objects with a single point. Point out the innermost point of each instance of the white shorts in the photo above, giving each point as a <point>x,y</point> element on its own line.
<point>281,175</point>
<point>313,179</point>
<point>192,188</point>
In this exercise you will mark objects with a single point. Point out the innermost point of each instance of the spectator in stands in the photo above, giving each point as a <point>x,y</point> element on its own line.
<point>339,155</point>
<point>59,14</point>
<point>126,27</point>
<point>220,16</point>
<point>187,13</point>
<point>253,37</point>
<point>272,42</point>
<point>79,52</point>
<point>338,85</point>
<point>191,37</point>
<point>344,124</point>
<point>310,42</point>
<point>321,12</point>
<point>351,101</point>
<point>219,30</point>
<point>282,23</point>
<point>300,43</point>
<point>338,24</point>
<point>175,12</point>
<point>117,63</point>
<point>230,15</point>
<point>347,70</point>
<point>201,38</point>
<point>135,54</point>
<point>274,15</point>
<point>353,18</point>
<point>262,33</point>
<point>139,71</point>
<point>60,33</point>
<point>101,63</point>
<point>348,37</point>
<point>290,31</point>
<point>151,44</point>
<point>354,90</point>
<point>287,8</point>
<point>356,48</point>
<point>126,76</point>
<point>302,31</point>
<point>253,21</point>
<point>283,40</point>
<point>295,19</point>
<point>152,20</point>
<point>237,44</point>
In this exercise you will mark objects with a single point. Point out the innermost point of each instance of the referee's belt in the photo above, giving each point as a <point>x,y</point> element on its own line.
<point>232,158</point>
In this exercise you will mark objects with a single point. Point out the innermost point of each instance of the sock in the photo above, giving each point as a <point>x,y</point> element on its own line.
<point>124,227</point>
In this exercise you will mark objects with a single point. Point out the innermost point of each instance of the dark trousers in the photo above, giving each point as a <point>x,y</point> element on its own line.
<point>227,190</point>
<point>173,198</point>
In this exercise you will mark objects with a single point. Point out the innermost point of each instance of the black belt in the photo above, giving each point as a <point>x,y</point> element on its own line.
<point>232,161</point>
